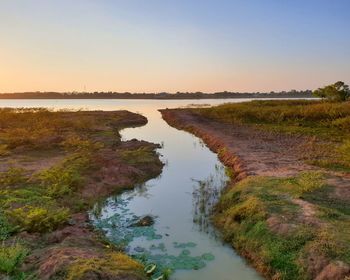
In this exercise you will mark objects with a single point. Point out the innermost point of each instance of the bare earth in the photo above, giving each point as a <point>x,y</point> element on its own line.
<point>260,153</point>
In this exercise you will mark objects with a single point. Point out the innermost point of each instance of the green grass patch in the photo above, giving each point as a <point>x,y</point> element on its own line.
<point>280,249</point>
<point>37,203</point>
<point>11,257</point>
<point>139,156</point>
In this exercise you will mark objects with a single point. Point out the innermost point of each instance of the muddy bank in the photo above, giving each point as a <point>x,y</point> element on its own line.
<point>247,151</point>
<point>50,181</point>
<point>276,211</point>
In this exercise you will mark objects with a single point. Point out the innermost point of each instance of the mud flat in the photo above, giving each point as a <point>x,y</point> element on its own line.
<point>286,209</point>
<point>54,167</point>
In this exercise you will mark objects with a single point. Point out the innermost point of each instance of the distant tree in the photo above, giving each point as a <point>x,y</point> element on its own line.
<point>336,92</point>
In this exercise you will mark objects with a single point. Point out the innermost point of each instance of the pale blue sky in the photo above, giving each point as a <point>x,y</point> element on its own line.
<point>162,45</point>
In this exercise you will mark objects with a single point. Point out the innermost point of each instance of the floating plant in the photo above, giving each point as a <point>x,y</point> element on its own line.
<point>121,229</point>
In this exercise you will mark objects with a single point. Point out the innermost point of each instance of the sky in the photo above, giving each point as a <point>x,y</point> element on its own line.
<point>173,45</point>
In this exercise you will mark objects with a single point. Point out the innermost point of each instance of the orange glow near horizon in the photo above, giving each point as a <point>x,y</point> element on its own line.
<point>134,47</point>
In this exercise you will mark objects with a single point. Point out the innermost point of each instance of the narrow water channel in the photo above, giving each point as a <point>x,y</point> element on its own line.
<point>180,199</point>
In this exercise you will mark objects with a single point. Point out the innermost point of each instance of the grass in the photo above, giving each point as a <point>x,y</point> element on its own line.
<point>42,201</point>
<point>281,224</point>
<point>280,249</point>
<point>11,256</point>
<point>6,228</point>
<point>139,156</point>
<point>40,128</point>
<point>327,124</point>
<point>42,198</point>
<point>113,264</point>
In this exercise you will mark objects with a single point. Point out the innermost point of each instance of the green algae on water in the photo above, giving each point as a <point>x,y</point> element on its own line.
<point>119,230</point>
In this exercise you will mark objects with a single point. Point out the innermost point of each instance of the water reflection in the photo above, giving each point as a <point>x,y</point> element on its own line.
<point>205,195</point>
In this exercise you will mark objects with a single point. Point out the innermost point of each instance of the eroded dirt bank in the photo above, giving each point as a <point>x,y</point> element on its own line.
<point>51,176</point>
<point>276,211</point>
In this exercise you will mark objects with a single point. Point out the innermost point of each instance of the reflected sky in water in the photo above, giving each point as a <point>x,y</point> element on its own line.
<point>180,197</point>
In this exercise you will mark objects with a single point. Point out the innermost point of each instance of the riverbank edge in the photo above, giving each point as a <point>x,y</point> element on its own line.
<point>316,262</point>
<point>229,159</point>
<point>78,243</point>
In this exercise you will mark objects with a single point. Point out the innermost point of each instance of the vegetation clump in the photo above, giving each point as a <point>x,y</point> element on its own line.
<point>112,266</point>
<point>11,256</point>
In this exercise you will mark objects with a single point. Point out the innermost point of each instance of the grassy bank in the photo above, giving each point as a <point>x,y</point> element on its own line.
<point>286,226</point>
<point>295,227</point>
<point>290,228</point>
<point>54,167</point>
<point>326,124</point>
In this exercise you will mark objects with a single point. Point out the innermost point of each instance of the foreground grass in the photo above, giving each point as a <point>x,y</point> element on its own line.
<point>261,218</point>
<point>326,123</point>
<point>42,198</point>
<point>104,266</point>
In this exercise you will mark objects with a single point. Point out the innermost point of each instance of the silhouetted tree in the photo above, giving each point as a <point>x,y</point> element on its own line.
<point>335,92</point>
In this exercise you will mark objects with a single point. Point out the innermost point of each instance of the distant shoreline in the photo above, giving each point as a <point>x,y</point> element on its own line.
<point>156,96</point>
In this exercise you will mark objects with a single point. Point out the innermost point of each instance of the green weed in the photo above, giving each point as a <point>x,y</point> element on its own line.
<point>243,214</point>
<point>11,256</point>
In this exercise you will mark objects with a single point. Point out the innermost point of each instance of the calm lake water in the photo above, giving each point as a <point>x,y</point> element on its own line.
<point>180,198</point>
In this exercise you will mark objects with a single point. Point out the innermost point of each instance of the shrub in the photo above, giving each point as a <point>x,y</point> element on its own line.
<point>12,177</point>
<point>142,155</point>
<point>309,181</point>
<point>5,228</point>
<point>344,150</point>
<point>39,219</point>
<point>113,264</point>
<point>11,256</point>
<point>63,179</point>
<point>338,91</point>
<point>77,144</point>
<point>251,208</point>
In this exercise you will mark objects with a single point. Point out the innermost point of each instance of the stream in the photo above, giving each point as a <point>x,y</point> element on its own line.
<point>180,199</point>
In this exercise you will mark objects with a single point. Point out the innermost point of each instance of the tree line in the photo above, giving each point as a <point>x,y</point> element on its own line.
<point>161,95</point>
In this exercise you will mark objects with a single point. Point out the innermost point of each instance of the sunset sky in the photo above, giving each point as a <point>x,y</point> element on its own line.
<point>173,45</point>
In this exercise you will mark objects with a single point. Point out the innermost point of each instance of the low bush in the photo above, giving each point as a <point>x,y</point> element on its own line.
<point>6,228</point>
<point>39,219</point>
<point>112,264</point>
<point>11,256</point>
<point>65,177</point>
<point>138,156</point>
<point>12,177</point>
